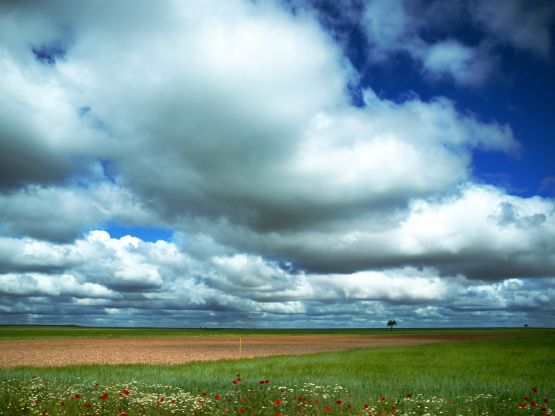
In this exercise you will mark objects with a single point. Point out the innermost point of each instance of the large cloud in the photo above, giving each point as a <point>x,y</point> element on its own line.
<point>231,123</point>
<point>101,279</point>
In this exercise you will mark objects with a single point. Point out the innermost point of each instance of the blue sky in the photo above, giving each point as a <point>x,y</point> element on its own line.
<point>277,163</point>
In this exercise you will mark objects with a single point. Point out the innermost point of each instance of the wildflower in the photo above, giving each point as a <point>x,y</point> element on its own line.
<point>521,405</point>
<point>339,402</point>
<point>126,392</point>
<point>527,398</point>
<point>34,377</point>
<point>534,389</point>
<point>77,396</point>
<point>162,399</point>
<point>87,405</point>
<point>241,410</point>
<point>104,396</point>
<point>123,414</point>
<point>328,409</point>
<point>62,404</point>
<point>277,402</point>
<point>234,382</point>
<point>44,413</point>
<point>278,414</point>
<point>545,401</point>
<point>366,407</point>
<point>533,403</point>
<point>217,397</point>
<point>36,401</point>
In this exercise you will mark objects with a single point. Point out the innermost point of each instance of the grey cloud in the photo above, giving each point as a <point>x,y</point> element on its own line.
<point>62,213</point>
<point>525,25</point>
<point>427,31</point>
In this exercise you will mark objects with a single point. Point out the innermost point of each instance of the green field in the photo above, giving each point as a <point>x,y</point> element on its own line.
<point>490,376</point>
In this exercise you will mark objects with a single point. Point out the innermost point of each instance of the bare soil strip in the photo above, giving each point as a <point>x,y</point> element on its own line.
<point>180,350</point>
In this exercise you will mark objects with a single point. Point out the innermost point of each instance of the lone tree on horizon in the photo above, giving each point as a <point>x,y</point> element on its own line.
<point>391,323</point>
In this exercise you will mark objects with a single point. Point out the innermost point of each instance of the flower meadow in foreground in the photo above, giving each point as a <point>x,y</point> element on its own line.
<point>39,396</point>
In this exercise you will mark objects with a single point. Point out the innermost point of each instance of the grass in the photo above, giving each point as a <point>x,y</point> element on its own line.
<point>34,332</point>
<point>504,368</point>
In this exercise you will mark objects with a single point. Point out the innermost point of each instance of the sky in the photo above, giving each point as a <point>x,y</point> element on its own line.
<point>294,163</point>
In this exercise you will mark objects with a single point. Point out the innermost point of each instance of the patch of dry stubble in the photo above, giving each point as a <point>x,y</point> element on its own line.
<point>179,350</point>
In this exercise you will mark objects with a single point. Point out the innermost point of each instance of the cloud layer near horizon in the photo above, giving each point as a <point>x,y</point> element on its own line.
<point>232,124</point>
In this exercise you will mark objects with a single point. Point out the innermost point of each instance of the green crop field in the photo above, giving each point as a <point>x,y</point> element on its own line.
<point>24,332</point>
<point>510,375</point>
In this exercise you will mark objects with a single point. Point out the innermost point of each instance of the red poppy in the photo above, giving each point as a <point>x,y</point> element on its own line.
<point>382,398</point>
<point>339,402</point>
<point>36,401</point>
<point>366,407</point>
<point>77,396</point>
<point>527,398</point>
<point>328,409</point>
<point>277,402</point>
<point>104,396</point>
<point>234,382</point>
<point>521,405</point>
<point>533,403</point>
<point>123,414</point>
<point>126,392</point>
<point>162,399</point>
<point>204,394</point>
<point>535,389</point>
<point>87,405</point>
<point>543,410</point>
<point>34,377</point>
<point>278,414</point>
<point>217,397</point>
<point>173,401</point>
<point>44,413</point>
<point>241,410</point>
<point>545,401</point>
<point>62,404</point>
<point>409,396</point>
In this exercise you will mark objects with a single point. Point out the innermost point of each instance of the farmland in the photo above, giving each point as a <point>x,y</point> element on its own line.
<point>461,372</point>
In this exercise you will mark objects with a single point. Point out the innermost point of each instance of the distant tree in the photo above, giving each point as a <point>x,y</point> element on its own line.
<point>391,323</point>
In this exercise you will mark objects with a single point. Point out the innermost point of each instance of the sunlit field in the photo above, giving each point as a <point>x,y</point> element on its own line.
<point>511,374</point>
